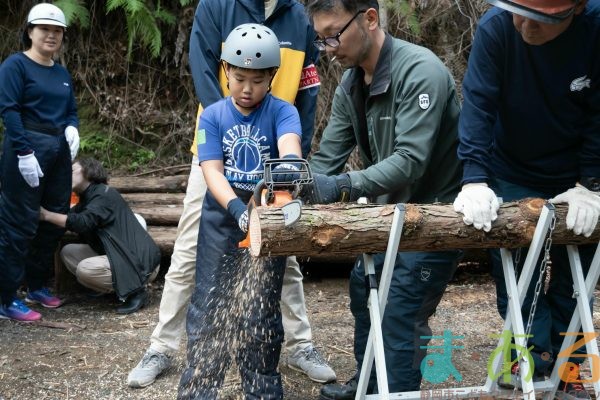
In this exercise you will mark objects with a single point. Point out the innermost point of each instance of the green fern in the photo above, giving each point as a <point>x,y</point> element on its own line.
<point>75,11</point>
<point>142,22</point>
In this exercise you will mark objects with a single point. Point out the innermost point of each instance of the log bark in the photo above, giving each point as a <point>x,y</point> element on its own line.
<point>136,184</point>
<point>153,199</point>
<point>164,237</point>
<point>161,215</point>
<point>343,229</point>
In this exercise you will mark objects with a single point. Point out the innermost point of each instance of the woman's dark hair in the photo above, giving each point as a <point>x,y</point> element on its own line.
<point>25,39</point>
<point>92,170</point>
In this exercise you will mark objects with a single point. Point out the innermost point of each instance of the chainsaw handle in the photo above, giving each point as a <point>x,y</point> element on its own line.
<point>256,196</point>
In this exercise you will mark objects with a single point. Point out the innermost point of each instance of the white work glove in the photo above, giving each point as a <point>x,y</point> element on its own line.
<point>72,136</point>
<point>478,204</point>
<point>30,169</point>
<point>584,209</point>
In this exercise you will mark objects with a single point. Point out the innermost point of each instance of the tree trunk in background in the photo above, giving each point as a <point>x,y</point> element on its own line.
<point>383,18</point>
<point>350,229</point>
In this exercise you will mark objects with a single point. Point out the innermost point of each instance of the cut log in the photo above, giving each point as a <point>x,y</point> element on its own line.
<point>153,199</point>
<point>136,184</point>
<point>161,215</point>
<point>164,237</point>
<point>351,229</point>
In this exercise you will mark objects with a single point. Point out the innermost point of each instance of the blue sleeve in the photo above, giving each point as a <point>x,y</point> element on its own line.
<point>205,53</point>
<point>209,138</point>
<point>13,84</point>
<point>287,120</point>
<point>306,99</point>
<point>481,93</point>
<point>72,118</point>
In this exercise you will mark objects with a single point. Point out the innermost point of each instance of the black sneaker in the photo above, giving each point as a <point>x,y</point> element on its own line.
<point>572,389</point>
<point>336,391</point>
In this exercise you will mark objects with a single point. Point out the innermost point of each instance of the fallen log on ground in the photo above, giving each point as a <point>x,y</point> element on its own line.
<point>153,199</point>
<point>351,229</point>
<point>130,184</point>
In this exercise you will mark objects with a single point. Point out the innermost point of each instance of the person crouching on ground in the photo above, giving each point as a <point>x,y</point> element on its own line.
<point>117,255</point>
<point>235,136</point>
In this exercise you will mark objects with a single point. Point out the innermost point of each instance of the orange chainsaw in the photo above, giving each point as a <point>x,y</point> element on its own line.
<point>276,189</point>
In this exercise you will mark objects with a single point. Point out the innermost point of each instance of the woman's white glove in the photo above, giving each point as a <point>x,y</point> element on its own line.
<point>30,169</point>
<point>478,204</point>
<point>72,136</point>
<point>584,209</point>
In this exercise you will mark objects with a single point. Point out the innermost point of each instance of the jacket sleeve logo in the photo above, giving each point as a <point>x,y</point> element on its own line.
<point>424,101</point>
<point>309,77</point>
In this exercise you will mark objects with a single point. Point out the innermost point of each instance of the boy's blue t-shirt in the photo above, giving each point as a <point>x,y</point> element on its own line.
<point>244,142</point>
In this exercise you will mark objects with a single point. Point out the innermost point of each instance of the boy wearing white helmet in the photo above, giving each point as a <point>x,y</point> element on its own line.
<point>235,136</point>
<point>37,105</point>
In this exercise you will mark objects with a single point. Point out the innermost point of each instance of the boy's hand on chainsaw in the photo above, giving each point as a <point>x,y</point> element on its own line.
<point>238,210</point>
<point>286,172</point>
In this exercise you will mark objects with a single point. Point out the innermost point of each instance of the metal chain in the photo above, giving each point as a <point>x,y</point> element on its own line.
<point>517,260</point>
<point>538,285</point>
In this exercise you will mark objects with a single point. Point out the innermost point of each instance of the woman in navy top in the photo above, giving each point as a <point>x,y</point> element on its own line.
<point>37,105</point>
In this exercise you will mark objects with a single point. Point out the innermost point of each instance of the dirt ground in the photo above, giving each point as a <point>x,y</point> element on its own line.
<point>85,351</point>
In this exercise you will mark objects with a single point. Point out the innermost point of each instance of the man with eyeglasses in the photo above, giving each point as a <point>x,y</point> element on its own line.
<point>397,103</point>
<point>530,127</point>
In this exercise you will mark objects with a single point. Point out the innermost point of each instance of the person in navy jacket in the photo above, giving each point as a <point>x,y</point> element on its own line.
<point>530,127</point>
<point>37,105</point>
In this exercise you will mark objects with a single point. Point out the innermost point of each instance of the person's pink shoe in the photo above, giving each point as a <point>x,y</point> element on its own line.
<point>44,297</point>
<point>18,311</point>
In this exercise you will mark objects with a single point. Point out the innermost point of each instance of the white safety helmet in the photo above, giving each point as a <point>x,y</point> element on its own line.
<point>46,14</point>
<point>252,46</point>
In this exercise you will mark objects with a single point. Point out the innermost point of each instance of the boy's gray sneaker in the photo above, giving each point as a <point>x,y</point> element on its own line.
<point>310,362</point>
<point>151,365</point>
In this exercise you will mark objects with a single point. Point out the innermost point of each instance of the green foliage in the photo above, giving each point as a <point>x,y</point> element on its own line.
<point>140,158</point>
<point>75,11</point>
<point>404,9</point>
<point>143,22</point>
<point>113,151</point>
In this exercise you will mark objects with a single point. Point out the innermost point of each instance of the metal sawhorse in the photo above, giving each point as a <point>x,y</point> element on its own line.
<point>514,321</point>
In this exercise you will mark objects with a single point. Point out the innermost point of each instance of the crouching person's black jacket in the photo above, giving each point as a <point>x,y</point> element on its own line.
<point>104,221</point>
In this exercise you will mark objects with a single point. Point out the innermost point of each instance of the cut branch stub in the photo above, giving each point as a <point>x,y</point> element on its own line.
<point>351,229</point>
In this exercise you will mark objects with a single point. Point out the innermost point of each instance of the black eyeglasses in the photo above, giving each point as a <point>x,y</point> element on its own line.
<point>334,41</point>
